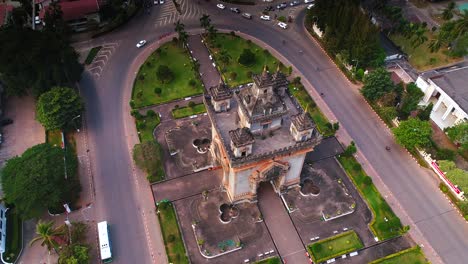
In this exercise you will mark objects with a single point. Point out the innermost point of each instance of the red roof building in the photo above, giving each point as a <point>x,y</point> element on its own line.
<point>5,9</point>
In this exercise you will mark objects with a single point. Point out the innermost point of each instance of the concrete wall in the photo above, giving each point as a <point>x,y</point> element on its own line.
<point>295,163</point>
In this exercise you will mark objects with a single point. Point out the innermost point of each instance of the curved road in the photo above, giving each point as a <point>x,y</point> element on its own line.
<point>117,192</point>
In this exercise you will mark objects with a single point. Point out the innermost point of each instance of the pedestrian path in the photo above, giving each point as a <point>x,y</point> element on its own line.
<point>168,13</point>
<point>280,226</point>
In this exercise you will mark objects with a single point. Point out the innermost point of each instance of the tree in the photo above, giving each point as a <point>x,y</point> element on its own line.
<point>377,84</point>
<point>211,31</point>
<point>54,22</point>
<point>164,74</point>
<point>224,57</point>
<point>48,235</point>
<point>180,29</point>
<point>447,13</point>
<point>36,61</point>
<point>74,254</point>
<point>205,21</point>
<point>425,113</point>
<point>158,91</point>
<point>419,37</point>
<point>247,57</point>
<point>413,133</point>
<point>35,181</point>
<point>59,108</point>
<point>410,100</point>
<point>459,134</point>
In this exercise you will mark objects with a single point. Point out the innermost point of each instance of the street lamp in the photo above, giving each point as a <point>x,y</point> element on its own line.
<point>77,129</point>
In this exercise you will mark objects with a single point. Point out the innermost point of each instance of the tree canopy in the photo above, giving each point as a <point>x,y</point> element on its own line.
<point>413,133</point>
<point>247,57</point>
<point>36,60</point>
<point>377,84</point>
<point>348,30</point>
<point>35,181</point>
<point>164,74</point>
<point>459,134</point>
<point>59,108</point>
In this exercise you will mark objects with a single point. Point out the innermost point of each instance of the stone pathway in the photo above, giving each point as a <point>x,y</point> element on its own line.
<point>280,226</point>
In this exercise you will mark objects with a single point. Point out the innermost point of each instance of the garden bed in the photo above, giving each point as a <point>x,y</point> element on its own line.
<point>272,260</point>
<point>92,54</point>
<point>175,248</point>
<point>385,224</point>
<point>14,236</point>
<point>185,80</point>
<point>306,102</point>
<point>146,124</point>
<point>188,111</point>
<point>412,255</point>
<point>234,46</point>
<point>335,246</point>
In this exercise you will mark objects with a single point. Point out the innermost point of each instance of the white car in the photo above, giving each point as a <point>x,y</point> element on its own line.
<point>265,17</point>
<point>310,6</point>
<point>308,1</point>
<point>37,20</point>
<point>220,6</point>
<point>161,2</point>
<point>282,25</point>
<point>156,2</point>
<point>141,43</point>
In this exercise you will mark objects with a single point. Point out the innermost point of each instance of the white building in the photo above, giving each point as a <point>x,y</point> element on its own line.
<point>447,89</point>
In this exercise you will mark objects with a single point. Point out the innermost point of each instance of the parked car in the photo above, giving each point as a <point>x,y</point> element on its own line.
<point>308,1</point>
<point>282,25</point>
<point>269,8</point>
<point>161,2</point>
<point>220,6</point>
<point>235,10</point>
<point>6,121</point>
<point>310,6</point>
<point>141,43</point>
<point>265,17</point>
<point>294,3</point>
<point>247,15</point>
<point>282,6</point>
<point>156,2</point>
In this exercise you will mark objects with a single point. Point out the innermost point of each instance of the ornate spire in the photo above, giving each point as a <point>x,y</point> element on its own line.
<point>265,72</point>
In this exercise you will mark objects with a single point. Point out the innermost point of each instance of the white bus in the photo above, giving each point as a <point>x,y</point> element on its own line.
<point>104,242</point>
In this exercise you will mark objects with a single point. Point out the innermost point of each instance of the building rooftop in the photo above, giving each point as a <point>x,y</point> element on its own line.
<point>241,137</point>
<point>73,10</point>
<point>302,121</point>
<point>453,81</point>
<point>220,92</point>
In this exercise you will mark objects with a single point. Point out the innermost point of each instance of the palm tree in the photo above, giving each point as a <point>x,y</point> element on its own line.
<point>447,14</point>
<point>205,21</point>
<point>212,31</point>
<point>47,234</point>
<point>419,37</point>
<point>461,24</point>
<point>436,44</point>
<point>179,28</point>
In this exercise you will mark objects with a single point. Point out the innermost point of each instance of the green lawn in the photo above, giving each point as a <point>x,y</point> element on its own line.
<point>385,224</point>
<point>13,236</point>
<point>410,256</point>
<point>178,60</point>
<point>92,54</point>
<point>188,111</point>
<point>272,260</point>
<point>170,230</point>
<point>335,246</point>
<point>421,57</point>
<point>306,101</point>
<point>146,125</point>
<point>234,46</point>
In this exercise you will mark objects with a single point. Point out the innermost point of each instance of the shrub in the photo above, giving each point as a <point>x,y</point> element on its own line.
<point>266,52</point>
<point>135,113</point>
<point>132,104</point>
<point>445,154</point>
<point>141,125</point>
<point>336,126</point>
<point>150,113</point>
<point>249,74</point>
<point>350,150</point>
<point>192,82</point>
<point>282,18</point>
<point>157,91</point>
<point>191,104</point>
<point>233,75</point>
<point>290,69</point>
<point>367,181</point>
<point>141,77</point>
<point>232,33</point>
<point>247,57</point>
<point>170,238</point>
<point>297,80</point>
<point>164,74</point>
<point>359,74</point>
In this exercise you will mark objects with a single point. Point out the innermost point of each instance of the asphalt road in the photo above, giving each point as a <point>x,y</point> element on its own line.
<point>116,193</point>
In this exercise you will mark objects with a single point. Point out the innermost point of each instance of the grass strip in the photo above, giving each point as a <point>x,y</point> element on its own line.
<point>335,246</point>
<point>385,223</point>
<point>188,111</point>
<point>412,255</point>
<point>175,248</point>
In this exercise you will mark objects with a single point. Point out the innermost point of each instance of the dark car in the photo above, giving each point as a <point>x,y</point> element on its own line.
<point>282,6</point>
<point>6,121</point>
<point>235,10</point>
<point>269,8</point>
